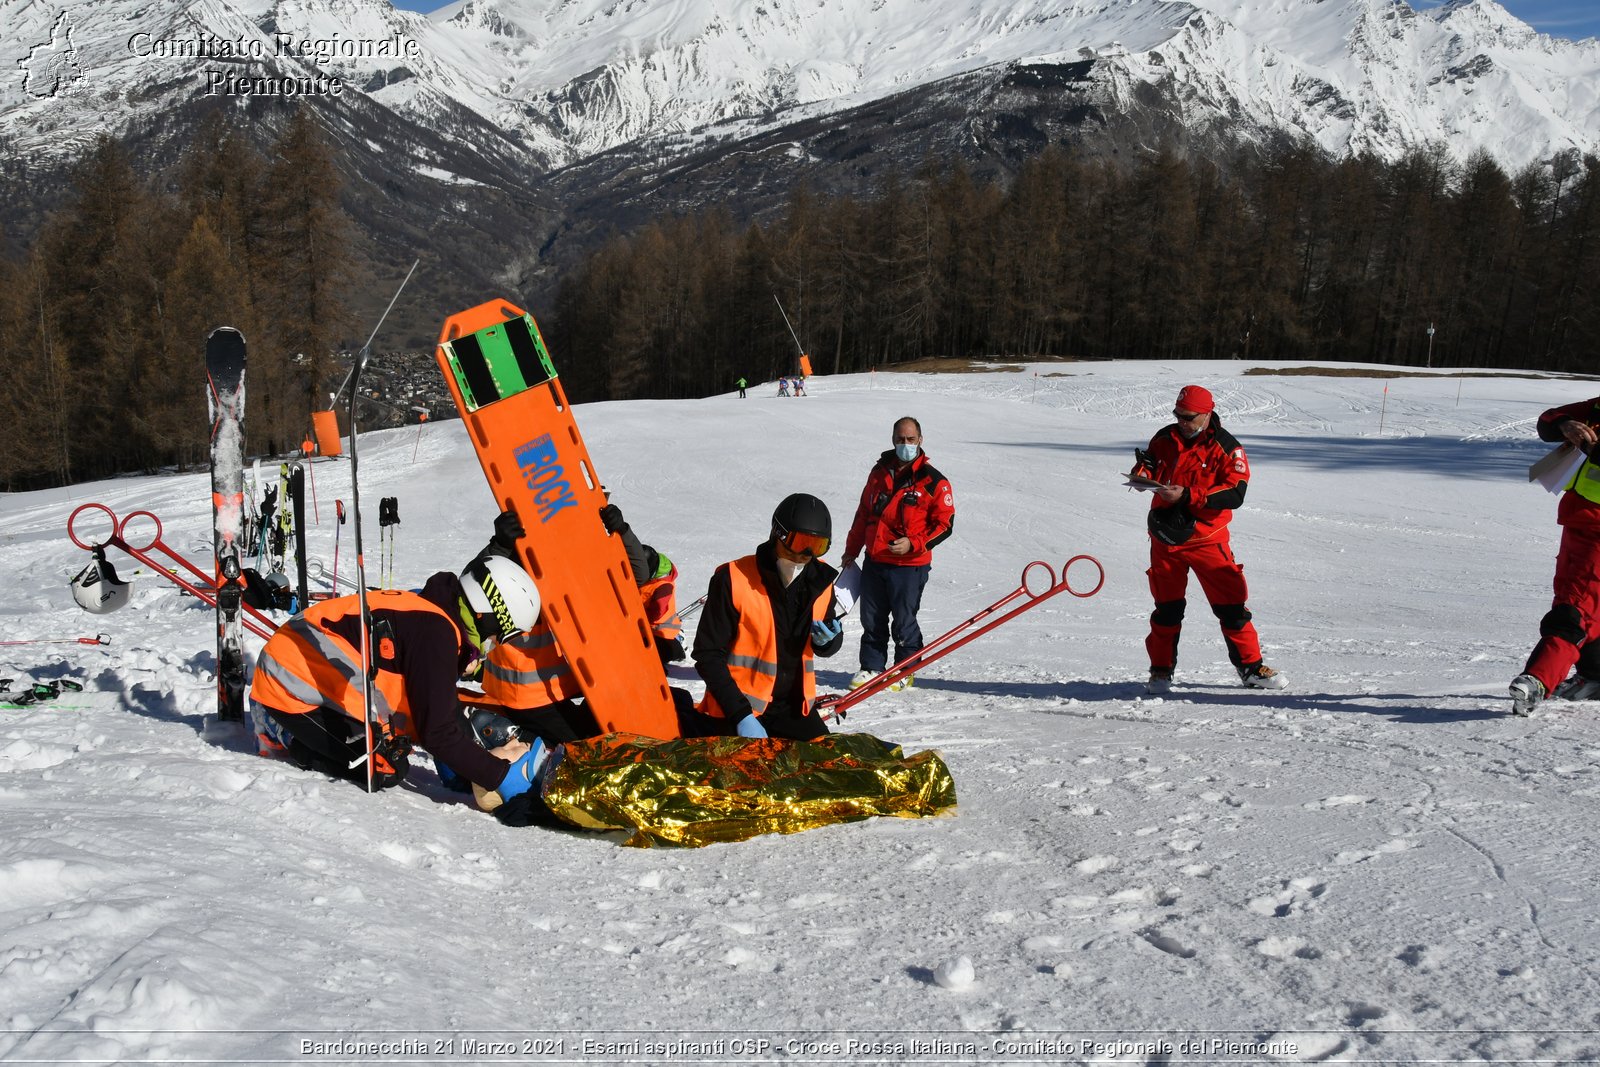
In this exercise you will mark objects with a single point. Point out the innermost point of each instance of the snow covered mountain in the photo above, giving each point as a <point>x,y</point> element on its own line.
<point>508,137</point>
<point>560,82</point>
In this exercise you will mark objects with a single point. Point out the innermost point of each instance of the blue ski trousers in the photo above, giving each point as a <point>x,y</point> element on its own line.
<point>890,599</point>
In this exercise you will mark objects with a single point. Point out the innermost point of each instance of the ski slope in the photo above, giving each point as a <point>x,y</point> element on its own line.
<point>1376,864</point>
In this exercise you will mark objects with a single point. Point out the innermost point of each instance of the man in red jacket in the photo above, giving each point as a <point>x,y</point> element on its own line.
<point>906,509</point>
<point>1568,631</point>
<point>1202,474</point>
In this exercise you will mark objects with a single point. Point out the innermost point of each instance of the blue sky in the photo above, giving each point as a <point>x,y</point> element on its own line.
<point>1560,18</point>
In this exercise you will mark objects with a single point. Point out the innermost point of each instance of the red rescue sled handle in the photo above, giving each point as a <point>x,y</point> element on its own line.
<point>203,586</point>
<point>1030,591</point>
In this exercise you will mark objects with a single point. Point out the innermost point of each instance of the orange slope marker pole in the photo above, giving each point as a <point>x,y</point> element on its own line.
<point>527,440</point>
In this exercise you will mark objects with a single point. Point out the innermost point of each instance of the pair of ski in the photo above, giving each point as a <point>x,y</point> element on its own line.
<point>225,373</point>
<point>280,520</point>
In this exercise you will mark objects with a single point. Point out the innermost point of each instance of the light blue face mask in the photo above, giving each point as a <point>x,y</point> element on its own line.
<point>906,453</point>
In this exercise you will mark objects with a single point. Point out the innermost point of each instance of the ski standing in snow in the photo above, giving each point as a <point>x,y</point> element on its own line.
<point>225,366</point>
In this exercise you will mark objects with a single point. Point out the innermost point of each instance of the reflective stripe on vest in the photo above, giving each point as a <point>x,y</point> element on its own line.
<point>753,659</point>
<point>1586,480</point>
<point>528,671</point>
<point>304,666</point>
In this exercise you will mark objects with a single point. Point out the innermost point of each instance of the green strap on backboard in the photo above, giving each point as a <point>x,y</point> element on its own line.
<point>499,361</point>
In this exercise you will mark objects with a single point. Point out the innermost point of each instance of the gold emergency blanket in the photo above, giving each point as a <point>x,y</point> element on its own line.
<point>697,791</point>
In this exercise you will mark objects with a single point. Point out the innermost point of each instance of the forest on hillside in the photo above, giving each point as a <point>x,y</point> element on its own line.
<point>1285,255</point>
<point>103,321</point>
<point>1288,254</point>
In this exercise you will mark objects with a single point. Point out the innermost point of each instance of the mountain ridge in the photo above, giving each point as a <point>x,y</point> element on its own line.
<point>532,108</point>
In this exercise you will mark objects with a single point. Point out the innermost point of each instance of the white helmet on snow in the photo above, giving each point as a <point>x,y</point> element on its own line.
<point>97,587</point>
<point>498,589</point>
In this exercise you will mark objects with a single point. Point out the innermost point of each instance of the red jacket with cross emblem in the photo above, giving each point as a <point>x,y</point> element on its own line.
<point>911,500</point>
<point>1211,467</point>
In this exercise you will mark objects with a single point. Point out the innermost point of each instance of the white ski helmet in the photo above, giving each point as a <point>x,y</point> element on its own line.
<point>499,589</point>
<point>97,587</point>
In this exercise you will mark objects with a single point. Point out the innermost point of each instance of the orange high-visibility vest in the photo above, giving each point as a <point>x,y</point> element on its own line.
<point>660,596</point>
<point>528,671</point>
<point>305,666</point>
<point>753,659</point>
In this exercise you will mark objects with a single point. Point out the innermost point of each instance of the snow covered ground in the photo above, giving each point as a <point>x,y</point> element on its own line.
<point>1378,864</point>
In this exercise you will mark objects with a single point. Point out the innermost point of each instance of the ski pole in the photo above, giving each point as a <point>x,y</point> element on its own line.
<point>692,608</point>
<point>422,420</point>
<point>944,644</point>
<point>316,511</point>
<point>338,510</point>
<point>97,639</point>
<point>369,669</point>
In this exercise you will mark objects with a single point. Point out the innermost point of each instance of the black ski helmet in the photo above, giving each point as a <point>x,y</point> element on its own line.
<point>804,513</point>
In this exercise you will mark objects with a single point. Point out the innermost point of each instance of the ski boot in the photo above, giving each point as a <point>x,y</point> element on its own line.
<point>861,678</point>
<point>1578,688</point>
<point>1262,676</point>
<point>1526,692</point>
<point>1160,681</point>
<point>902,682</point>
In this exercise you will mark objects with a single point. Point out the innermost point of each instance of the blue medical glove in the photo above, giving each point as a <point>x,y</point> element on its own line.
<point>519,779</point>
<point>825,630</point>
<point>750,726</point>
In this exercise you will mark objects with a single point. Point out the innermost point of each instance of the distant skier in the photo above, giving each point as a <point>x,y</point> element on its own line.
<point>1569,630</point>
<point>741,384</point>
<point>800,385</point>
<point>783,386</point>
<point>1203,474</point>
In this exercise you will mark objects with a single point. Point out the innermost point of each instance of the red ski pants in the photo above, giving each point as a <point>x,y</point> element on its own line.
<point>1222,579</point>
<point>1573,620</point>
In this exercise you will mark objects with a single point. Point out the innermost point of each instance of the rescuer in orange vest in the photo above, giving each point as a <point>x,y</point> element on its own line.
<point>529,680</point>
<point>767,615</point>
<point>657,579</point>
<point>306,698</point>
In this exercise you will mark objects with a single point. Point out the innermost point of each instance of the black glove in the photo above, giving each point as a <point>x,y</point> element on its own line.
<point>507,531</point>
<point>611,518</point>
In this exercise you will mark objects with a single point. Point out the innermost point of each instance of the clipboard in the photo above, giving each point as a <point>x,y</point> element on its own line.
<point>1556,468</point>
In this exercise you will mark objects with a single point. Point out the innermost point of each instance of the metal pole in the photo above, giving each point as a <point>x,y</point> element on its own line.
<point>1430,346</point>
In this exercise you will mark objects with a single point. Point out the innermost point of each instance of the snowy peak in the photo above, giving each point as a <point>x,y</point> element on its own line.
<point>566,80</point>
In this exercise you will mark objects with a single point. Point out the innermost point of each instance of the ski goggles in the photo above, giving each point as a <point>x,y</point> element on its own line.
<point>804,544</point>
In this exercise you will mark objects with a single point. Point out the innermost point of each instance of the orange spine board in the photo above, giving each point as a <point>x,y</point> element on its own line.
<point>536,463</point>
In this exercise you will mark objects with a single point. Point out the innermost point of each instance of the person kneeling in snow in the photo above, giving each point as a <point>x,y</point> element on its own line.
<point>527,679</point>
<point>306,699</point>
<point>766,616</point>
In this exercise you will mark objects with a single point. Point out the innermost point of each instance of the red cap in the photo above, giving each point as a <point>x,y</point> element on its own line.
<point>1196,399</point>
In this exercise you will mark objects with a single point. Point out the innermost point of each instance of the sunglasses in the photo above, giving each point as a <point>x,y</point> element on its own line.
<point>1195,417</point>
<point>804,544</point>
